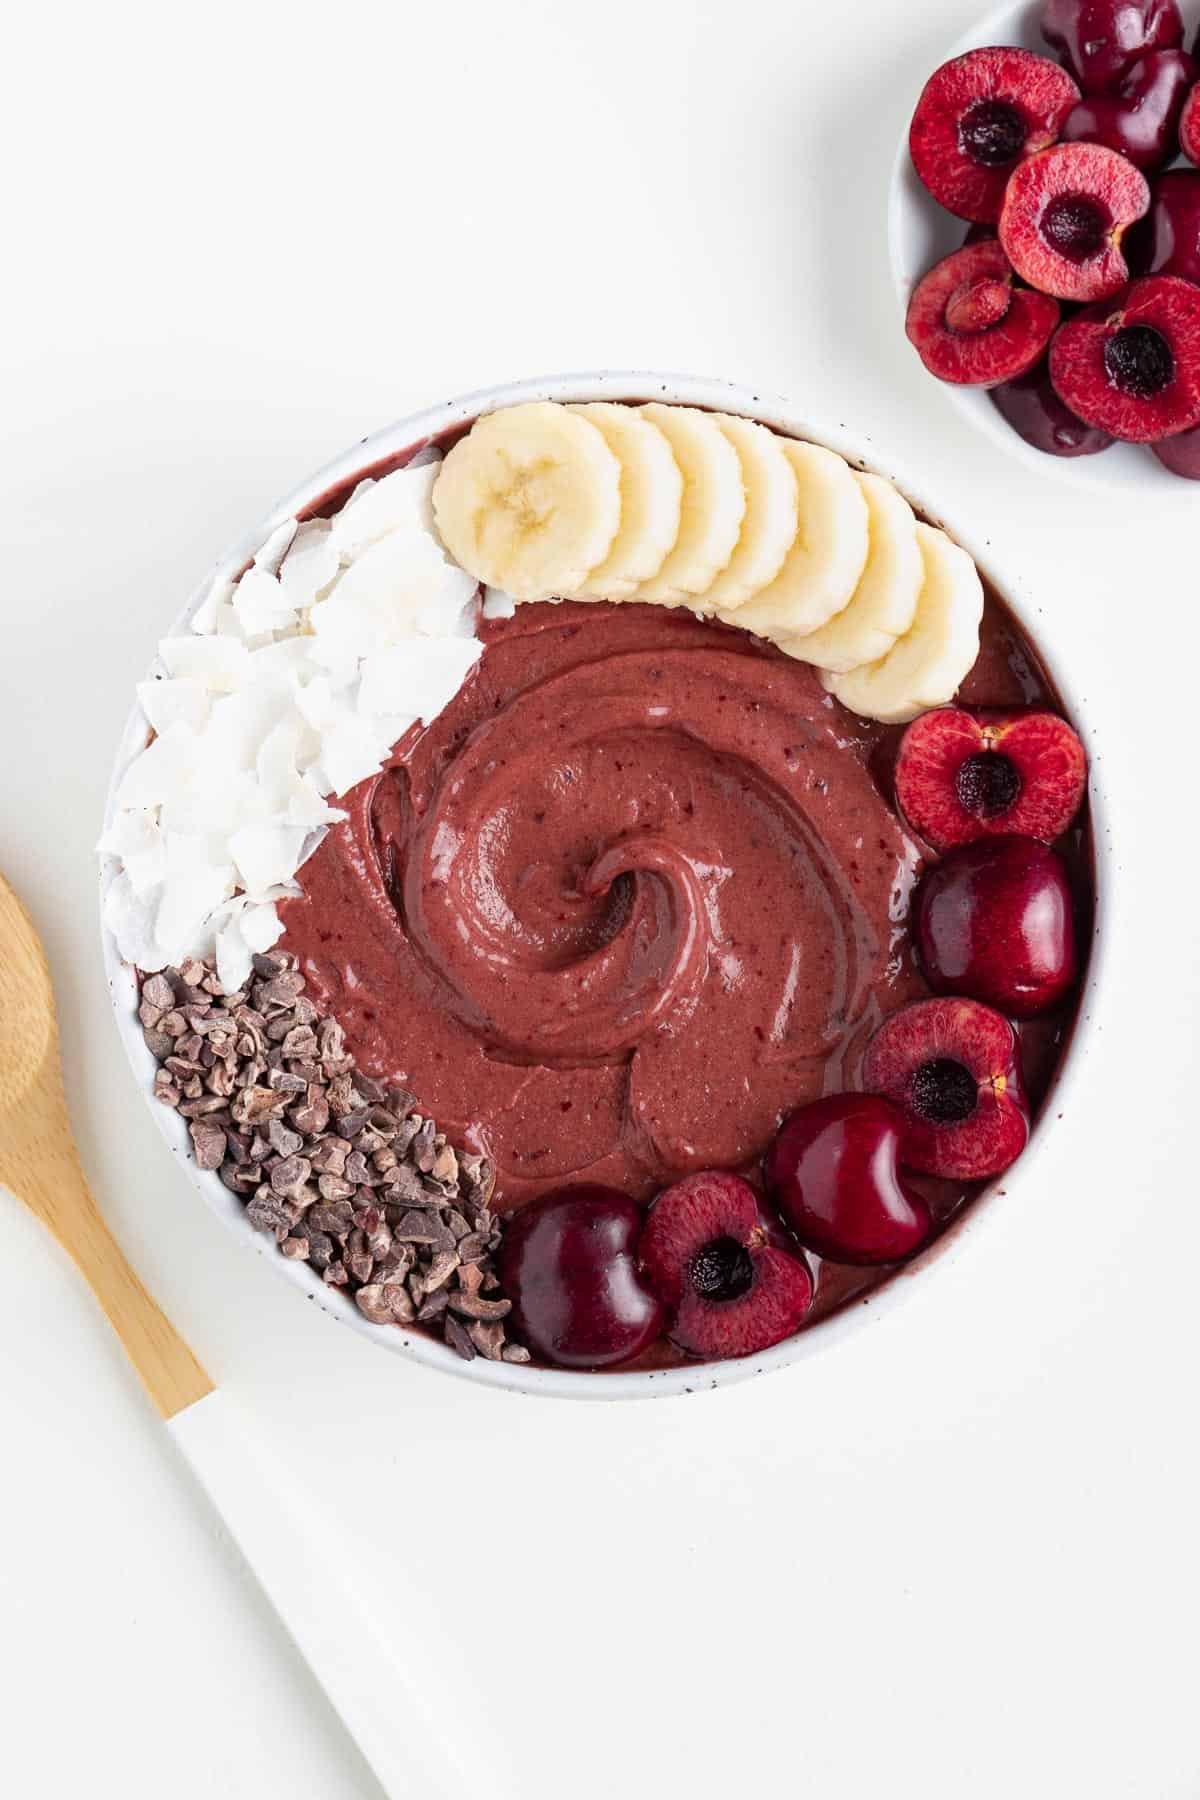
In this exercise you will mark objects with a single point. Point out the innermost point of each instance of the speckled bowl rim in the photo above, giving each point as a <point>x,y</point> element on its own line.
<point>959,1246</point>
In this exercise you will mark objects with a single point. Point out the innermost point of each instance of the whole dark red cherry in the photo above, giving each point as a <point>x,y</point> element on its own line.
<point>567,1262</point>
<point>1168,239</point>
<point>1035,412</point>
<point>1141,119</point>
<point>834,1173</point>
<point>994,920</point>
<point>1181,454</point>
<point>1100,40</point>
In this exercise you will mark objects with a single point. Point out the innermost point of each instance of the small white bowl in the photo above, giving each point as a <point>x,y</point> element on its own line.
<point>920,233</point>
<point>950,1249</point>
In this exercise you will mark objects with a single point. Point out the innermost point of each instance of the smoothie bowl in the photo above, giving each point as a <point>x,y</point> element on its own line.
<point>599,882</point>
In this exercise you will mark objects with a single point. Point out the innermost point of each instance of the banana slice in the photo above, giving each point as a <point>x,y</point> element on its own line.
<point>651,499</point>
<point>530,500</point>
<point>769,526</point>
<point>714,503</point>
<point>884,603</point>
<point>926,665</point>
<point>827,556</point>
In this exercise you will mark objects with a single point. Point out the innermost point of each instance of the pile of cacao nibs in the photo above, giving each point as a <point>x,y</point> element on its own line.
<point>342,1170</point>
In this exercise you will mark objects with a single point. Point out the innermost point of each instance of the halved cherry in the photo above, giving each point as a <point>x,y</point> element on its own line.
<point>953,1067</point>
<point>970,325</point>
<point>965,775</point>
<point>978,116</point>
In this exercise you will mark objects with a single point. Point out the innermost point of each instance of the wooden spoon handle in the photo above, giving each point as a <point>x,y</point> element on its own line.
<point>172,1376</point>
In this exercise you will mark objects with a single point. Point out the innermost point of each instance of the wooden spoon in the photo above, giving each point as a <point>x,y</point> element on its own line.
<point>410,1750</point>
<point>39,1162</point>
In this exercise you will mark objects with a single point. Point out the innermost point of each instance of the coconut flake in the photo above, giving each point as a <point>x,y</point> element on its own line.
<point>228,623</point>
<point>423,674</point>
<point>497,604</point>
<point>286,663</point>
<point>465,623</point>
<point>166,701</point>
<point>234,958</point>
<point>130,834</point>
<point>284,757</point>
<point>218,663</point>
<point>214,801</point>
<point>389,728</point>
<point>148,868</point>
<point>315,702</point>
<point>266,854</point>
<point>185,900</point>
<point>311,564</point>
<point>261,927</point>
<point>276,764</point>
<point>275,548</point>
<point>261,604</point>
<point>163,768</point>
<point>218,597</point>
<point>402,501</point>
<point>241,722</point>
<point>401,586</point>
<point>136,840</point>
<point>337,662</point>
<point>250,929</point>
<point>130,918</point>
<point>307,807</point>
<point>351,751</point>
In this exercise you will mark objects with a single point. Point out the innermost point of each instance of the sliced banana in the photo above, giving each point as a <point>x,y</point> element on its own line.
<point>926,665</point>
<point>530,500</point>
<point>681,507</point>
<point>884,603</point>
<point>827,556</point>
<point>769,525</point>
<point>651,499</point>
<point>714,503</point>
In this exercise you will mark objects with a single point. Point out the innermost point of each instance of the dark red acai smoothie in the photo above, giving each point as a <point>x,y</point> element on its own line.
<point>637,892</point>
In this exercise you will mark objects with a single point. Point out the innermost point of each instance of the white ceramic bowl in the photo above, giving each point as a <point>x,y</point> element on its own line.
<point>953,1249</point>
<point>920,233</point>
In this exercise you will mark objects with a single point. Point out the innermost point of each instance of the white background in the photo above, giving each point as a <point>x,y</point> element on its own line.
<point>957,1554</point>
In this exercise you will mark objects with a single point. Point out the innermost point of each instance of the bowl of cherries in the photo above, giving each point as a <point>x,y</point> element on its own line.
<point>1045,236</point>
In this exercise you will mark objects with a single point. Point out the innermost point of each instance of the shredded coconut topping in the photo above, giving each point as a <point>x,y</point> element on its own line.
<point>291,687</point>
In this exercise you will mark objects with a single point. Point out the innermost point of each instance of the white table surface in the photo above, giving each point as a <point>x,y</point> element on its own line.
<point>957,1555</point>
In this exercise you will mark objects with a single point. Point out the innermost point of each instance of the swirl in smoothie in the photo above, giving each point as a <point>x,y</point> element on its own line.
<point>634,894</point>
